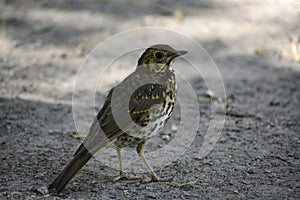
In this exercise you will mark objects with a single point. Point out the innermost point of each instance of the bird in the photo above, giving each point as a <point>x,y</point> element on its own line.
<point>133,111</point>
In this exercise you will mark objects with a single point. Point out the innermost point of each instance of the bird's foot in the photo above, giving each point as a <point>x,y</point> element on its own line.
<point>122,176</point>
<point>156,179</point>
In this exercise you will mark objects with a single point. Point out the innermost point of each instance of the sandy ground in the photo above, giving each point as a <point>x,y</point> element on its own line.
<point>43,45</point>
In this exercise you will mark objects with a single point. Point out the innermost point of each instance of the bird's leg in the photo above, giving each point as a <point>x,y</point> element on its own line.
<point>120,161</point>
<point>122,174</point>
<point>140,149</point>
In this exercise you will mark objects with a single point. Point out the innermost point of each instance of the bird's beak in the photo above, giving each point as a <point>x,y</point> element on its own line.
<point>181,52</point>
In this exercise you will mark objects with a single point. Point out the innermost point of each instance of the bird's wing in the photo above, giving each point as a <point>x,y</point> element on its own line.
<point>144,99</point>
<point>105,129</point>
<point>102,130</point>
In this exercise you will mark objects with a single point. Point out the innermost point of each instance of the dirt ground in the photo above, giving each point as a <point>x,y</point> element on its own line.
<point>44,43</point>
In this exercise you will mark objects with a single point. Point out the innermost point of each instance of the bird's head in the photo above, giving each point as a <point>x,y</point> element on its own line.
<point>159,57</point>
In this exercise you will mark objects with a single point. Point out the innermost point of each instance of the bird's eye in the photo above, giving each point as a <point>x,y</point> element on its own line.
<point>159,55</point>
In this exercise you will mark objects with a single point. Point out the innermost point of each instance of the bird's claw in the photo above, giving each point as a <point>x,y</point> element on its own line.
<point>124,177</point>
<point>156,179</point>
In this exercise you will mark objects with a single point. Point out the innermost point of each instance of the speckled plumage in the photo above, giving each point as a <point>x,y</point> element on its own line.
<point>152,89</point>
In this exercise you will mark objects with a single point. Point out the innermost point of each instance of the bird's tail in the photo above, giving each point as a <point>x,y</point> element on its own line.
<point>79,160</point>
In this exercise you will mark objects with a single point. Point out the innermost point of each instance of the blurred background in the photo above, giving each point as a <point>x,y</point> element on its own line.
<point>43,43</point>
<point>254,43</point>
